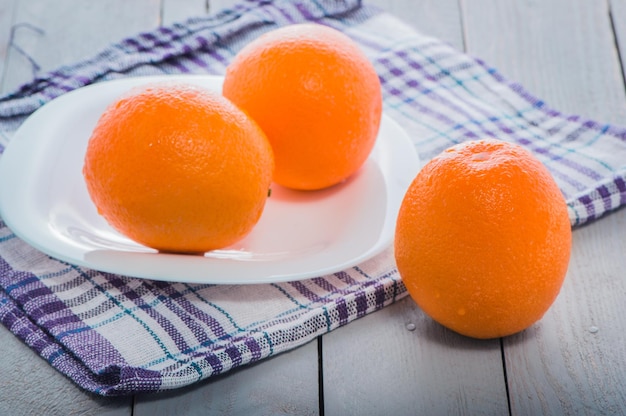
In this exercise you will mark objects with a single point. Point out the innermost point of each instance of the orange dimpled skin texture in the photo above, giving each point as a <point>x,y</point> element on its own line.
<point>315,95</point>
<point>483,239</point>
<point>178,168</point>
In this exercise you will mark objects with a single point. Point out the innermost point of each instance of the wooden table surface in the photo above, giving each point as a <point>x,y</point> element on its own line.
<point>396,361</point>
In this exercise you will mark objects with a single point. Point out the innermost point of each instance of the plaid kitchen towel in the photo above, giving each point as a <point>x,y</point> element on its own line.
<point>117,335</point>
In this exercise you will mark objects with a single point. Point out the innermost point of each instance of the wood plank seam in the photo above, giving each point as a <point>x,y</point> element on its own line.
<point>320,375</point>
<point>506,380</point>
<point>617,46</point>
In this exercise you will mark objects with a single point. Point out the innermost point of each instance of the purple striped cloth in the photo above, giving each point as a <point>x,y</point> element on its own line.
<point>117,335</point>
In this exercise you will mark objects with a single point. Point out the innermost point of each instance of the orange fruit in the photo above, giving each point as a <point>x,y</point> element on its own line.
<point>317,98</point>
<point>178,168</point>
<point>483,239</point>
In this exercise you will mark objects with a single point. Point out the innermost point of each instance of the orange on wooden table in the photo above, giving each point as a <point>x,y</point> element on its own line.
<point>316,96</point>
<point>483,239</point>
<point>178,168</point>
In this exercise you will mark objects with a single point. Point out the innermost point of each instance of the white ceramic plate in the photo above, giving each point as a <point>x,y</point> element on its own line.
<point>43,199</point>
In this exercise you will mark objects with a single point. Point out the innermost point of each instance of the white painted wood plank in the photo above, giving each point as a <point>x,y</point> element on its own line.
<point>574,361</point>
<point>437,18</point>
<point>7,8</point>
<point>560,50</point>
<point>180,10</point>
<point>376,365</point>
<point>282,385</point>
<point>400,362</point>
<point>54,33</point>
<point>562,365</point>
<point>30,386</point>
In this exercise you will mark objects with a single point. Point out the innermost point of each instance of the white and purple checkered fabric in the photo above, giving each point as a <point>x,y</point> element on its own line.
<point>117,335</point>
